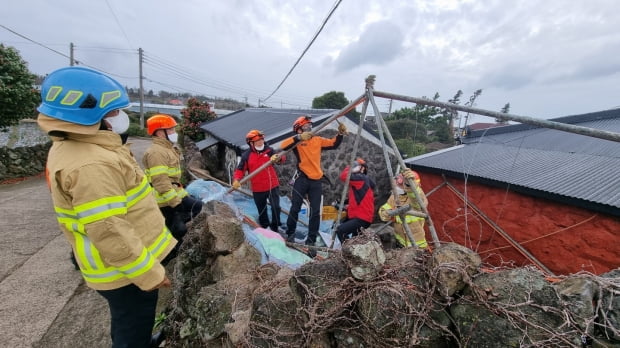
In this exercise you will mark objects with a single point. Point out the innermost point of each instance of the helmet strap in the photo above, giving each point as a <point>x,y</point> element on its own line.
<point>103,125</point>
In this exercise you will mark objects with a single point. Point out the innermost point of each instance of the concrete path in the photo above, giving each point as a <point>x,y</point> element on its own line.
<point>44,301</point>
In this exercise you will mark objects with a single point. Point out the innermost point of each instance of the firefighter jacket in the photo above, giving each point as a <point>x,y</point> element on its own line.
<point>415,223</point>
<point>308,153</point>
<point>106,209</point>
<point>250,161</point>
<point>162,163</point>
<point>361,196</point>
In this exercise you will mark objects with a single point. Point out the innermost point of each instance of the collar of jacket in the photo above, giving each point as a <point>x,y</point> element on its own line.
<point>102,137</point>
<point>162,142</point>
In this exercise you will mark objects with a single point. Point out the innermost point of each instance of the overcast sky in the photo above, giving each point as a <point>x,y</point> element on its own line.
<point>546,58</point>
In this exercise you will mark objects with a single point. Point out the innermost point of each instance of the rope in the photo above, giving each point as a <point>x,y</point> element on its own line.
<point>544,235</point>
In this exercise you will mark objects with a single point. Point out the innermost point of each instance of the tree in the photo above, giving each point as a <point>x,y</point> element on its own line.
<point>194,115</point>
<point>409,147</point>
<point>330,100</point>
<point>18,97</point>
<point>419,113</point>
<point>407,129</point>
<point>333,100</point>
<point>505,110</point>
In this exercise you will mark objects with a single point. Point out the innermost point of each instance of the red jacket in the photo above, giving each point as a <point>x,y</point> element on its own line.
<point>361,196</point>
<point>250,161</point>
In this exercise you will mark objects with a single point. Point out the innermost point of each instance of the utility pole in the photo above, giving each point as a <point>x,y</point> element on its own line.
<point>140,52</point>
<point>71,60</point>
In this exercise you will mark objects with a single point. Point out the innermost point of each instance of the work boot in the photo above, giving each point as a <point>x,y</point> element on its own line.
<point>290,237</point>
<point>74,261</point>
<point>157,339</point>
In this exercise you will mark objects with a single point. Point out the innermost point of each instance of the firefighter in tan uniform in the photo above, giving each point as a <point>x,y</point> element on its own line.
<point>162,163</point>
<point>103,202</point>
<point>406,196</point>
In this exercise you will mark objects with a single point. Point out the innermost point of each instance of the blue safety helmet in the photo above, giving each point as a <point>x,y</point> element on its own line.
<point>81,95</point>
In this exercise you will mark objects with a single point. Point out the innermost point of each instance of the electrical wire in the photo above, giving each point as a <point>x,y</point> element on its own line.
<point>163,66</point>
<point>307,48</point>
<point>64,55</point>
<point>35,42</point>
<point>119,23</point>
<point>184,73</point>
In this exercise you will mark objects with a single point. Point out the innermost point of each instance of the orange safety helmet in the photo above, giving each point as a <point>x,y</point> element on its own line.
<point>254,135</point>
<point>160,121</point>
<point>362,163</point>
<point>300,122</point>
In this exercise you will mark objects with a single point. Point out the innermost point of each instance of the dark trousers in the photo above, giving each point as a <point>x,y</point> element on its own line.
<point>177,217</point>
<point>132,314</point>
<point>175,221</point>
<point>314,190</point>
<point>260,199</point>
<point>350,228</point>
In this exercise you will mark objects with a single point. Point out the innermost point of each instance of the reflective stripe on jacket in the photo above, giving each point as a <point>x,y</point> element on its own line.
<point>106,209</point>
<point>163,170</point>
<point>415,223</point>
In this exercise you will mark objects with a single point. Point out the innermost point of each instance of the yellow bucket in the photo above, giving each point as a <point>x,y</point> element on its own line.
<point>330,213</point>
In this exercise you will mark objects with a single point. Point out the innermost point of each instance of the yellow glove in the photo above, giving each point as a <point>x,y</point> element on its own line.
<point>236,184</point>
<point>408,173</point>
<point>383,215</point>
<point>342,129</point>
<point>305,135</point>
<point>275,158</point>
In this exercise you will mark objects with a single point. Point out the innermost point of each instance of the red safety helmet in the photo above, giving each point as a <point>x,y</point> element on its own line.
<point>160,121</point>
<point>253,136</point>
<point>300,122</point>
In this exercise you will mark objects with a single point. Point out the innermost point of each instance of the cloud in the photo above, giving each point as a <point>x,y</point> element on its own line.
<point>380,43</point>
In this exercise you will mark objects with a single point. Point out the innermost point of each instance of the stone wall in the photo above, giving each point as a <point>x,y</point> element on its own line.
<point>23,150</point>
<point>333,162</point>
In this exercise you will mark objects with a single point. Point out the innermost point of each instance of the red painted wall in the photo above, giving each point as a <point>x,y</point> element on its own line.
<point>565,239</point>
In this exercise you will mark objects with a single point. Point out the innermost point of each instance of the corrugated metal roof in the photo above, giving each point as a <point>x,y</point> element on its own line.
<point>560,164</point>
<point>275,123</point>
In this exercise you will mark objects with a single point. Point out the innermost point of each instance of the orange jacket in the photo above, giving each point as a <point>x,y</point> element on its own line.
<point>308,153</point>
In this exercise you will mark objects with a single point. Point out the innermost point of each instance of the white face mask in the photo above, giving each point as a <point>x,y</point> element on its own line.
<point>399,191</point>
<point>174,137</point>
<point>259,148</point>
<point>119,123</point>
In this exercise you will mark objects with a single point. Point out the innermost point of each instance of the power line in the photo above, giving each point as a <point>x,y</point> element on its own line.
<point>35,42</point>
<point>165,66</point>
<point>307,48</point>
<point>64,55</point>
<point>118,23</point>
<point>108,49</point>
<point>213,83</point>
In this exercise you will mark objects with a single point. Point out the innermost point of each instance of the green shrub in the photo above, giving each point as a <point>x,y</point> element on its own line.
<point>194,115</point>
<point>135,130</point>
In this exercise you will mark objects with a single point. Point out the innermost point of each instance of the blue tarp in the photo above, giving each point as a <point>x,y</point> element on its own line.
<point>270,244</point>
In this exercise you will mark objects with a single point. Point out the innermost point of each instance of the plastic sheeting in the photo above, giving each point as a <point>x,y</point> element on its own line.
<point>270,244</point>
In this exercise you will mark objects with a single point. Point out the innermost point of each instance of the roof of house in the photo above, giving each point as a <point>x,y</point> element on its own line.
<point>562,166</point>
<point>481,125</point>
<point>232,128</point>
